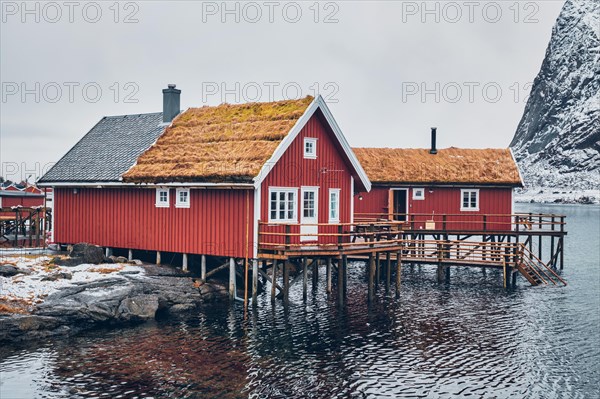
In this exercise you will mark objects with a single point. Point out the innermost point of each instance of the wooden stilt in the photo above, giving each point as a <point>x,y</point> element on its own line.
<point>372,272</point>
<point>232,284</point>
<point>388,271</point>
<point>203,268</point>
<point>377,269</point>
<point>540,247</point>
<point>286,281</point>
<point>328,272</point>
<point>315,274</point>
<point>398,273</point>
<point>340,282</point>
<point>273,280</point>
<point>158,260</point>
<point>108,252</point>
<point>130,255</point>
<point>562,251</point>
<point>184,263</point>
<point>345,272</point>
<point>304,277</point>
<point>254,281</point>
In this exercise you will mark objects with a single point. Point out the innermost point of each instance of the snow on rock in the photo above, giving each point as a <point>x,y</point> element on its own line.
<point>33,285</point>
<point>557,142</point>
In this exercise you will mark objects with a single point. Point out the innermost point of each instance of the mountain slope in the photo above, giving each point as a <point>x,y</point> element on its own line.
<point>557,142</point>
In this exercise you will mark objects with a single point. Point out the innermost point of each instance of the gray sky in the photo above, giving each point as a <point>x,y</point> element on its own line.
<point>389,70</point>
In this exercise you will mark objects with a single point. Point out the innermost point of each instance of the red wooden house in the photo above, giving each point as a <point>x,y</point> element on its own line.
<point>448,189</point>
<point>26,196</point>
<point>206,180</point>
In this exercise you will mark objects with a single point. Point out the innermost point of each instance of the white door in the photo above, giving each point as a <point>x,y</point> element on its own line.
<point>309,214</point>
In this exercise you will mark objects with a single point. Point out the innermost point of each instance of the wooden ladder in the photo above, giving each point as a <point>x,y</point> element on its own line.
<point>535,270</point>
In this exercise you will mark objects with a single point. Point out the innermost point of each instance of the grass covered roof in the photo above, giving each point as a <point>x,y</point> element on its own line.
<point>449,165</point>
<point>226,143</point>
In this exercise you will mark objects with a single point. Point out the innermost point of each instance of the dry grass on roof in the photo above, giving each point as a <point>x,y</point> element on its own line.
<point>450,165</point>
<point>228,143</point>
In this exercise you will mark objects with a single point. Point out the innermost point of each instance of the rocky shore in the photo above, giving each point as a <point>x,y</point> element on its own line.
<point>39,298</point>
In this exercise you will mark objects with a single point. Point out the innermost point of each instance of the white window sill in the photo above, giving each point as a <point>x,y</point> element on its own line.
<point>161,205</point>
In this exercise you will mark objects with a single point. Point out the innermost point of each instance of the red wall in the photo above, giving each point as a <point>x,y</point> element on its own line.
<point>444,200</point>
<point>214,224</point>
<point>292,170</point>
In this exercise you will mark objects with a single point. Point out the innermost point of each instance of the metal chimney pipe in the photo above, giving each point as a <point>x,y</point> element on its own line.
<point>433,149</point>
<point>170,103</point>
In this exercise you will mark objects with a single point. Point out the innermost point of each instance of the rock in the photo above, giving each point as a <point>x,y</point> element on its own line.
<point>9,270</point>
<point>58,276</point>
<point>118,259</point>
<point>93,254</point>
<point>138,308</point>
<point>135,262</point>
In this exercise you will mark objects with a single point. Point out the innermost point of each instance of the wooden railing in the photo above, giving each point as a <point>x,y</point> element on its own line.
<point>519,222</point>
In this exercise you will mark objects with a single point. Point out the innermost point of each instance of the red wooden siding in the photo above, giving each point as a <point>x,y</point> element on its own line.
<point>214,224</point>
<point>444,200</point>
<point>328,170</point>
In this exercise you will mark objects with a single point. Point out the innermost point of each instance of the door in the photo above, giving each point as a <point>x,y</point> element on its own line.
<point>309,214</point>
<point>400,209</point>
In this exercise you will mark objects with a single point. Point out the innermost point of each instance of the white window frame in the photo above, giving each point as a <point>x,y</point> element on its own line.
<point>278,190</point>
<point>313,141</point>
<point>462,196</point>
<point>336,219</point>
<point>418,197</point>
<point>159,203</point>
<point>178,202</point>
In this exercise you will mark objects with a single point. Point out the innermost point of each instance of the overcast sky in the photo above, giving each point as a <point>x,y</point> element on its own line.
<point>389,70</point>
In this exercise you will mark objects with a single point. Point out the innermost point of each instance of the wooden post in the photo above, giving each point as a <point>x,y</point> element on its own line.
<point>286,281</point>
<point>562,251</point>
<point>372,268</point>
<point>184,263</point>
<point>540,247</point>
<point>345,273</point>
<point>388,271</point>
<point>328,272</point>
<point>108,252</point>
<point>158,260</point>
<point>130,255</point>
<point>203,268</point>
<point>340,282</point>
<point>377,269</point>
<point>254,281</point>
<point>273,280</point>
<point>304,277</point>
<point>232,284</point>
<point>398,272</point>
<point>315,274</point>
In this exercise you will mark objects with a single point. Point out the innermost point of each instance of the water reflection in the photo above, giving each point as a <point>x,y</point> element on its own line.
<point>470,338</point>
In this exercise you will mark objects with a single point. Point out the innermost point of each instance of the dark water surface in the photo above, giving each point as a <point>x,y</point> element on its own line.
<point>468,339</point>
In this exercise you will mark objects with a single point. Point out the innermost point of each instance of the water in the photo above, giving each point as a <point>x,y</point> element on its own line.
<point>469,339</point>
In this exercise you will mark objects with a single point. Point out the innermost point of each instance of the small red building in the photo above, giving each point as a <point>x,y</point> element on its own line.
<point>448,189</point>
<point>26,196</point>
<point>208,180</point>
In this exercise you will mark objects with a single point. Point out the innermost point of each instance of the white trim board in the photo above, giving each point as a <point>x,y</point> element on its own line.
<point>318,103</point>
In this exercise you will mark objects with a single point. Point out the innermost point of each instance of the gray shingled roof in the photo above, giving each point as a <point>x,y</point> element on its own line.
<point>108,150</point>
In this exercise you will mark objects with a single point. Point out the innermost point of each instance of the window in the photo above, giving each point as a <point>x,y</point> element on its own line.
<point>308,204</point>
<point>310,148</point>
<point>469,200</point>
<point>183,198</point>
<point>334,205</point>
<point>282,204</point>
<point>418,194</point>
<point>162,197</point>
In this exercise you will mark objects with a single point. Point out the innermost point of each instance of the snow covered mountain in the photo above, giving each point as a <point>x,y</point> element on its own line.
<point>557,142</point>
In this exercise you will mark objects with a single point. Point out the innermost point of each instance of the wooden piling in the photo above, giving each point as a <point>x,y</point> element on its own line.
<point>398,273</point>
<point>315,274</point>
<point>328,273</point>
<point>340,282</point>
<point>377,269</point>
<point>286,281</point>
<point>203,268</point>
<point>158,260</point>
<point>388,271</point>
<point>232,284</point>
<point>304,277</point>
<point>273,280</point>
<point>254,281</point>
<point>108,252</point>
<point>372,272</point>
<point>345,272</point>
<point>130,255</point>
<point>184,263</point>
